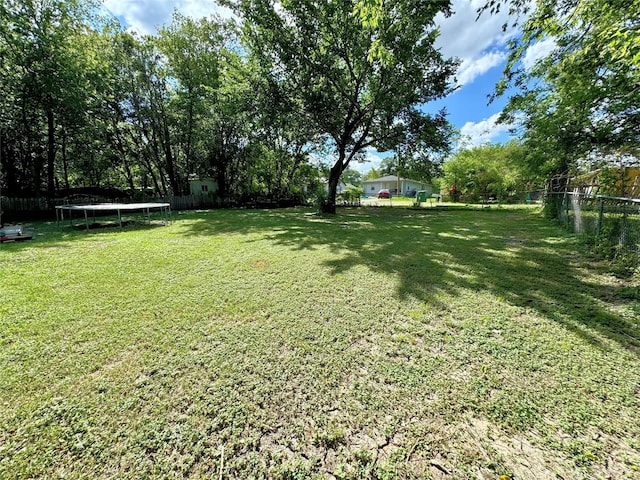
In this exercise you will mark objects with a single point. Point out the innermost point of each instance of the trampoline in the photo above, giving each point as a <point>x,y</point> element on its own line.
<point>145,208</point>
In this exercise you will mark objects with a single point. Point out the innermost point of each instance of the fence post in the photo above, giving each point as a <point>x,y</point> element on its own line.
<point>624,227</point>
<point>600,215</point>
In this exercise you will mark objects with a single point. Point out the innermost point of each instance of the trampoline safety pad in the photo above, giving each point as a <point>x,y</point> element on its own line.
<point>145,208</point>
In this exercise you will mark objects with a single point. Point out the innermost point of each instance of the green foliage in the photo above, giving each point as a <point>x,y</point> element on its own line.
<point>319,197</point>
<point>489,170</point>
<point>351,176</point>
<point>438,184</point>
<point>388,166</point>
<point>194,52</point>
<point>617,181</point>
<point>359,78</point>
<point>84,103</point>
<point>583,98</point>
<point>372,173</point>
<point>351,195</point>
<point>617,244</point>
<point>48,65</point>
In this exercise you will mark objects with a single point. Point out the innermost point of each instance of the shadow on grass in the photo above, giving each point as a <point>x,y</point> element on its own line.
<point>519,258</point>
<point>58,235</point>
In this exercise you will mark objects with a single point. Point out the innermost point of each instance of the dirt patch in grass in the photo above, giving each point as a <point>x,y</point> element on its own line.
<point>414,344</point>
<point>442,451</point>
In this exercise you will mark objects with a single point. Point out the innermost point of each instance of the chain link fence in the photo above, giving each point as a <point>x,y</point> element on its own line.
<point>611,224</point>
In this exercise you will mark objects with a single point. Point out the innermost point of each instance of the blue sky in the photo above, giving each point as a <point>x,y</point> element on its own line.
<point>480,45</point>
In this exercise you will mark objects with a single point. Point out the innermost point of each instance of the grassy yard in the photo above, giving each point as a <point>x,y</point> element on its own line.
<point>379,343</point>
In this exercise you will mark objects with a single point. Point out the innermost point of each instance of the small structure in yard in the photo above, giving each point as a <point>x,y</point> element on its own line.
<point>14,233</point>
<point>424,196</point>
<point>396,185</point>
<point>203,186</point>
<point>617,181</point>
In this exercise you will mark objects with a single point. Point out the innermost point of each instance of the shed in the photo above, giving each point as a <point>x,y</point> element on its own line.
<point>621,182</point>
<point>203,186</point>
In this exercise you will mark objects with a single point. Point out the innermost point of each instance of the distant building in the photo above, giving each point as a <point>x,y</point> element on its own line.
<point>340,188</point>
<point>619,182</point>
<point>397,186</point>
<point>203,186</point>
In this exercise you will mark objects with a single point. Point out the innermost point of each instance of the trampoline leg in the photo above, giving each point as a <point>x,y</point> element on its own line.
<point>86,219</point>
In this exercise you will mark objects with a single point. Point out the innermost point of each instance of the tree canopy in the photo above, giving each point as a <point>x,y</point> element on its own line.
<point>583,100</point>
<point>87,104</point>
<point>491,170</point>
<point>83,103</point>
<point>358,71</point>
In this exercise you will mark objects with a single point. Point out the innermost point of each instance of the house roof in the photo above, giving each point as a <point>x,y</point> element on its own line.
<point>392,178</point>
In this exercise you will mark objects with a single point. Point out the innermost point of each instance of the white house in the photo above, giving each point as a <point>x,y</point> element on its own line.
<point>341,187</point>
<point>397,186</point>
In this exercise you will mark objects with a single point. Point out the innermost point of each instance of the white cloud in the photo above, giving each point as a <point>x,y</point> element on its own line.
<point>537,52</point>
<point>372,160</point>
<point>478,44</point>
<point>477,133</point>
<point>471,69</point>
<point>145,16</point>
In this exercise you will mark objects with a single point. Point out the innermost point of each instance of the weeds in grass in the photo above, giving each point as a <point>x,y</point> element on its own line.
<point>378,343</point>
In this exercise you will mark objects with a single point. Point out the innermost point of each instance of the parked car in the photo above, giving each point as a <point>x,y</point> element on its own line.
<point>384,193</point>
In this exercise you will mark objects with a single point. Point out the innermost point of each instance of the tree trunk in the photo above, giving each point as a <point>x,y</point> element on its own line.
<point>65,163</point>
<point>168,153</point>
<point>51,154</point>
<point>190,128</point>
<point>221,177</point>
<point>329,205</point>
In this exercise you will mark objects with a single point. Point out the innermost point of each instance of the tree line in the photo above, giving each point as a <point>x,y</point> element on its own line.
<point>85,103</point>
<point>579,107</point>
<point>257,102</point>
<point>251,103</point>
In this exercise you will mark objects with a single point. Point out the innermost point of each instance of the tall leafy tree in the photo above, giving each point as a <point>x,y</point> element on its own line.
<point>354,177</point>
<point>45,71</point>
<point>359,70</point>
<point>285,135</point>
<point>372,173</point>
<point>491,169</point>
<point>128,146</point>
<point>229,126</point>
<point>142,111</point>
<point>584,98</point>
<point>193,51</point>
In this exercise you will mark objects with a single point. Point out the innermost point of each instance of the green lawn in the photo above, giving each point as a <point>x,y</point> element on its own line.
<point>379,343</point>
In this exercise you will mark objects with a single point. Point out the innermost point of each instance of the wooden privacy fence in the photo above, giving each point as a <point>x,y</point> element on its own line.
<point>21,209</point>
<point>192,202</point>
<point>22,204</point>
